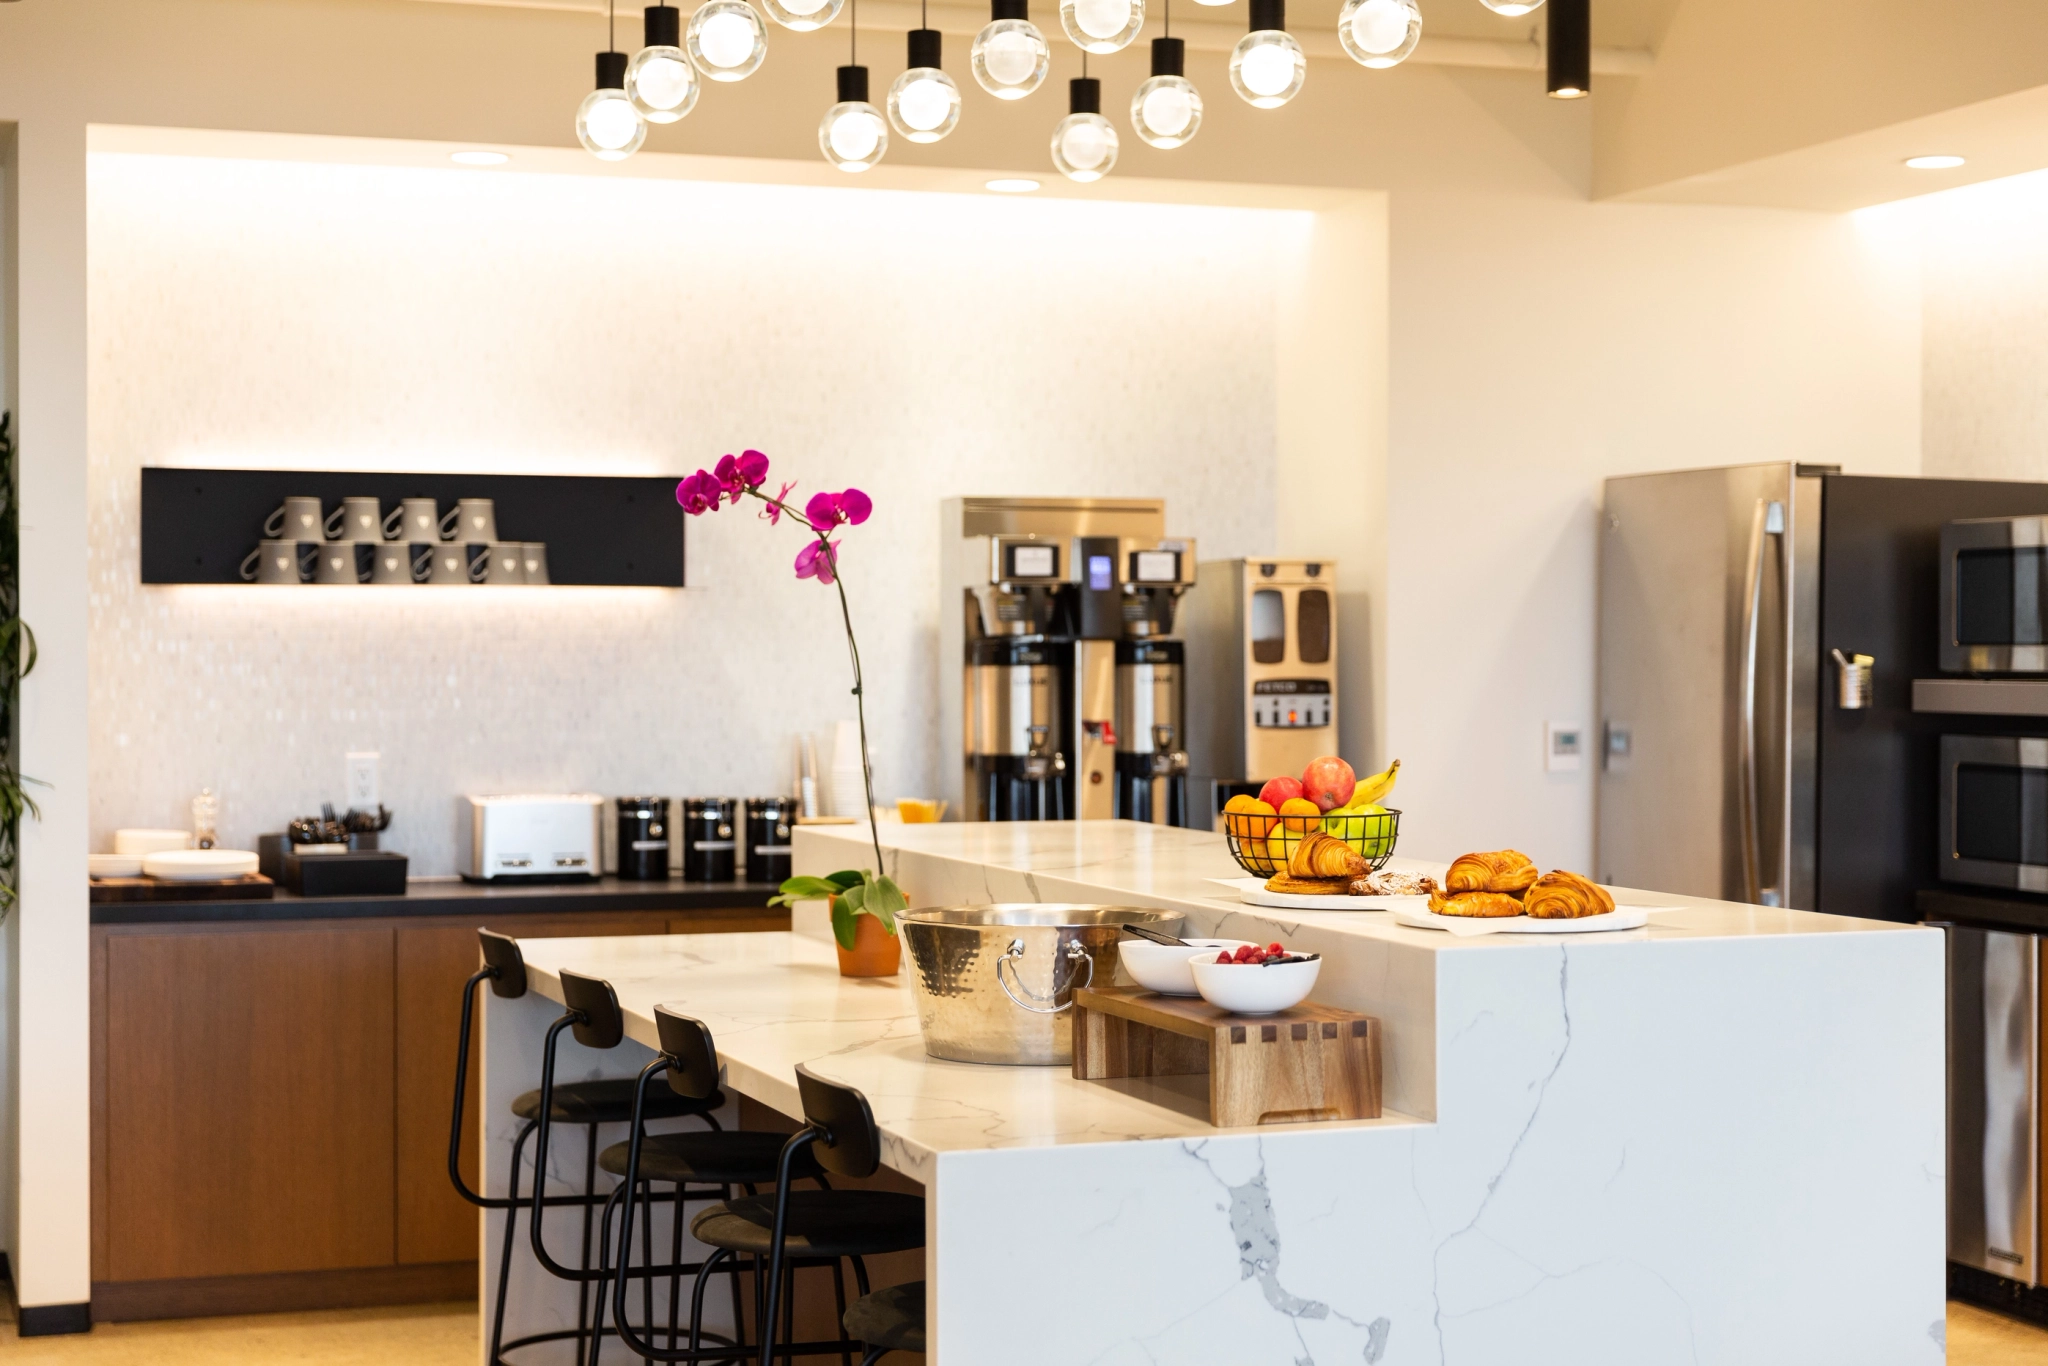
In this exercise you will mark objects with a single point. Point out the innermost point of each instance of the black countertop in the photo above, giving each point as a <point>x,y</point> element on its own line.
<point>452,898</point>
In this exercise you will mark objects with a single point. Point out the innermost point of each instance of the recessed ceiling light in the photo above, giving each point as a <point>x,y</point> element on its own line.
<point>478,158</point>
<point>1013,185</point>
<point>1934,163</point>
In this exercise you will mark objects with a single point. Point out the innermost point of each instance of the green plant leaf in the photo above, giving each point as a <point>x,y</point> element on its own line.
<point>884,900</point>
<point>798,889</point>
<point>854,900</point>
<point>845,878</point>
<point>842,925</point>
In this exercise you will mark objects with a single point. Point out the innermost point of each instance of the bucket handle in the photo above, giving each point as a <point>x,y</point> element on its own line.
<point>1077,955</point>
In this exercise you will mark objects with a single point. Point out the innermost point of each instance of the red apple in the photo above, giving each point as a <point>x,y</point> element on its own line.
<point>1278,790</point>
<point>1328,782</point>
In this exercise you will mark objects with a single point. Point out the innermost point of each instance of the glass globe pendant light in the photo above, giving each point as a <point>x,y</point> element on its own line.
<point>1102,26</point>
<point>1167,109</point>
<point>1379,33</point>
<point>727,40</point>
<point>924,104</point>
<point>607,124</point>
<point>853,135</point>
<point>1513,9</point>
<point>660,81</point>
<point>803,16</point>
<point>1267,67</point>
<point>1084,145</point>
<point>1010,56</point>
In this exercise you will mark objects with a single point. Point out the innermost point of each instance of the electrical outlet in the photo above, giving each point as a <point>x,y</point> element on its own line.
<point>362,780</point>
<point>1564,746</point>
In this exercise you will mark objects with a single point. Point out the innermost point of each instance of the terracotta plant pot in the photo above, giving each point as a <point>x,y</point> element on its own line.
<point>875,951</point>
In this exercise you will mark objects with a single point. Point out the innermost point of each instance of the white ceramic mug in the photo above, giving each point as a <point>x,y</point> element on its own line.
<point>448,563</point>
<point>534,561</point>
<point>338,562</point>
<point>473,521</point>
<point>274,562</point>
<point>500,563</point>
<point>357,519</point>
<point>391,562</point>
<point>295,519</point>
<point>414,520</point>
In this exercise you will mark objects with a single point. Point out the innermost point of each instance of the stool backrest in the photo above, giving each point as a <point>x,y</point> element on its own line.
<point>501,951</point>
<point>603,1024</point>
<point>850,1144</point>
<point>692,1057</point>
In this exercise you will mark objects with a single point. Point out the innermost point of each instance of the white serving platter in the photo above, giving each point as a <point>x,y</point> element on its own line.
<point>1620,918</point>
<point>114,865</point>
<point>1252,891</point>
<point>198,865</point>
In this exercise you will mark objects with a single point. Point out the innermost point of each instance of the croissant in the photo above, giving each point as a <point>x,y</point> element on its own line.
<point>1559,895</point>
<point>1505,870</point>
<point>1488,905</point>
<point>1308,886</point>
<point>1322,855</point>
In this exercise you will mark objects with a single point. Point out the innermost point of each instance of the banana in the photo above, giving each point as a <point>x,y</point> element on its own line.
<point>1371,790</point>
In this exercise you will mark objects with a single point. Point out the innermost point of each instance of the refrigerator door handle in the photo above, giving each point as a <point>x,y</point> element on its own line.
<point>1768,522</point>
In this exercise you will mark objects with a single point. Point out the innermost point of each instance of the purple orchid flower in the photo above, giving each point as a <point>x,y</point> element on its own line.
<point>831,509</point>
<point>737,474</point>
<point>771,512</point>
<point>699,493</point>
<point>815,561</point>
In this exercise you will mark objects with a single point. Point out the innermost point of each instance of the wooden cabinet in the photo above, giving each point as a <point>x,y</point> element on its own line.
<point>271,1107</point>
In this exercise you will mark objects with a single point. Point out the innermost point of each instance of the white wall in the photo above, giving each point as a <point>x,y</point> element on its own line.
<point>1538,346</point>
<point>336,317</point>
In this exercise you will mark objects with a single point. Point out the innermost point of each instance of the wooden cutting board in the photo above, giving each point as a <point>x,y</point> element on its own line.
<point>250,887</point>
<point>1309,1063</point>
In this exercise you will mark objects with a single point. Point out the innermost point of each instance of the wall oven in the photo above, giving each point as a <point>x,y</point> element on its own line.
<point>1994,595</point>
<point>1994,811</point>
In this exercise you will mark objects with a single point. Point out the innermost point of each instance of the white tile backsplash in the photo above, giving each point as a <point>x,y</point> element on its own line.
<point>333,317</point>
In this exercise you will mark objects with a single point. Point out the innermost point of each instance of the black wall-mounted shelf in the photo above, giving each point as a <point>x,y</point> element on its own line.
<point>197,525</point>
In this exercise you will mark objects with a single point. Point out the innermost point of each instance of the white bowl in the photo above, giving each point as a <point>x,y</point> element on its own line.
<point>199,865</point>
<point>150,841</point>
<point>114,865</point>
<point>1253,988</point>
<point>1164,967</point>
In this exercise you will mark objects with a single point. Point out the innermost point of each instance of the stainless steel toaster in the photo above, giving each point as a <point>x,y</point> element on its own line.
<point>512,838</point>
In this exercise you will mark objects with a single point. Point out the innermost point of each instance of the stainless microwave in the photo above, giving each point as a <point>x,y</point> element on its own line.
<point>1994,595</point>
<point>1994,811</point>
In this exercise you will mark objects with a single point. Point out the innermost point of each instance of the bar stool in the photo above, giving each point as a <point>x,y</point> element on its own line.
<point>712,1162</point>
<point>589,1104</point>
<point>888,1321</point>
<point>818,1226</point>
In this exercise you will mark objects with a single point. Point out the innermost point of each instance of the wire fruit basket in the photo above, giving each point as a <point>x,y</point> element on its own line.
<point>1261,844</point>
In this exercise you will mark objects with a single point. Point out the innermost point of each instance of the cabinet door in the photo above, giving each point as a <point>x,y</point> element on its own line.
<point>249,1101</point>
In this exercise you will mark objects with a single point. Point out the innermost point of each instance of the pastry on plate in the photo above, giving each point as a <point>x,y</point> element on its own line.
<point>1386,882</point>
<point>1308,886</point>
<point>1559,895</point>
<point>1503,870</point>
<point>1322,855</point>
<point>1480,905</point>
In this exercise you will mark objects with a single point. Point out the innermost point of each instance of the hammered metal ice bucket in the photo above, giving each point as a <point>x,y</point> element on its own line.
<point>995,983</point>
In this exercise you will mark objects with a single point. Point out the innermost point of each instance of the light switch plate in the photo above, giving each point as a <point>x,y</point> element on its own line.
<point>1564,746</point>
<point>362,780</point>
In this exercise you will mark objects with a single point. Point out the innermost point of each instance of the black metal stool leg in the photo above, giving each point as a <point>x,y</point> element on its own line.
<point>583,1260</point>
<point>505,1256</point>
<point>839,1294</point>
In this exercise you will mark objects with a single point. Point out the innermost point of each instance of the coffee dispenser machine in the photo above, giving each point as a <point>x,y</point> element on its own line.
<point>1038,597</point>
<point>1266,632</point>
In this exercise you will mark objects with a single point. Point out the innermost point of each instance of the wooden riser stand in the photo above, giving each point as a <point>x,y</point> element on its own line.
<point>1309,1063</point>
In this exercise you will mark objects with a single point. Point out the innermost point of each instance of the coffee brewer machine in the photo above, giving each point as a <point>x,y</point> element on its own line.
<point>1038,597</point>
<point>1266,631</point>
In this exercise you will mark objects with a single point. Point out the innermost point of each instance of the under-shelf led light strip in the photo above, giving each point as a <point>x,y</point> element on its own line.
<point>726,41</point>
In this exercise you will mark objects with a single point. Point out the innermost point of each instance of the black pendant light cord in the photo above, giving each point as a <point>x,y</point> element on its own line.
<point>1169,18</point>
<point>611,27</point>
<point>853,34</point>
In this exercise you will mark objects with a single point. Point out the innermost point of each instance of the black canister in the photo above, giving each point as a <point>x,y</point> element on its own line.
<point>769,823</point>
<point>643,839</point>
<point>709,849</point>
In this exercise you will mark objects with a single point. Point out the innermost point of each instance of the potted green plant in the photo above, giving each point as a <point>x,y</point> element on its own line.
<point>864,902</point>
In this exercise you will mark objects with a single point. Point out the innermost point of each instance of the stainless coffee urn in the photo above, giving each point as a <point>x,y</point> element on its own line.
<point>1036,595</point>
<point>1151,688</point>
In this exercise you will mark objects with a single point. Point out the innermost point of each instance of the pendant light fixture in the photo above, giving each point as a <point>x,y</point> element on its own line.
<point>1102,26</point>
<point>1568,49</point>
<point>1513,9</point>
<point>1166,110</point>
<point>727,40</point>
<point>1010,56</point>
<point>853,135</point>
<point>660,80</point>
<point>1267,67</point>
<point>804,16</point>
<point>1379,33</point>
<point>607,124</point>
<point>1084,145</point>
<point>924,104</point>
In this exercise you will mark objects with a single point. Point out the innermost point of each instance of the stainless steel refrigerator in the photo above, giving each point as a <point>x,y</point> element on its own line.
<point>1736,605</point>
